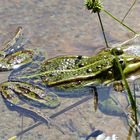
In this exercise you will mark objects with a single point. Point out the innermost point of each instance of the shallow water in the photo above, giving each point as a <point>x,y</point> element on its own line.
<point>64,28</point>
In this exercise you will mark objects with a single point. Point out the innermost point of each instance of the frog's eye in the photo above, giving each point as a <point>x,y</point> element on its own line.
<point>117,51</point>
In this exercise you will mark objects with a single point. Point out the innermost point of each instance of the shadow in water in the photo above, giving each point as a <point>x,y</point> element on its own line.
<point>94,134</point>
<point>101,103</point>
<point>55,115</point>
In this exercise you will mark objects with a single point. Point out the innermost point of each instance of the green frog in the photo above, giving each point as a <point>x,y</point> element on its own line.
<point>65,73</point>
<point>76,75</point>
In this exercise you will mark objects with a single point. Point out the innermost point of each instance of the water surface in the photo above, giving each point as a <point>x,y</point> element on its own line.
<point>64,28</point>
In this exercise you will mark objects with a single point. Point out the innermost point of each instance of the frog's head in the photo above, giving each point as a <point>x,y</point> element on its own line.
<point>130,63</point>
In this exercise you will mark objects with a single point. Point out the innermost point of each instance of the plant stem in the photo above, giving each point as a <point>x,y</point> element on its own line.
<point>130,96</point>
<point>108,13</point>
<point>128,10</point>
<point>103,30</point>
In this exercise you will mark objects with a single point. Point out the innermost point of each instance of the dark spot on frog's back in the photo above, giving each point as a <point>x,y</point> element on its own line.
<point>52,74</point>
<point>79,82</point>
<point>98,67</point>
<point>89,70</point>
<point>78,59</point>
<point>81,65</point>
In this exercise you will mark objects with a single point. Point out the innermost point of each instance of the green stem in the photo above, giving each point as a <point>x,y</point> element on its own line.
<point>118,20</point>
<point>131,99</point>
<point>103,30</point>
<point>128,10</point>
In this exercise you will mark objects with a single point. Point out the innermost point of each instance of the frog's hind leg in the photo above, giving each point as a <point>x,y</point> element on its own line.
<point>13,102</point>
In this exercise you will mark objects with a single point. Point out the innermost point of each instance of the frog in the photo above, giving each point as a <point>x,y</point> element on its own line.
<point>71,73</point>
<point>75,76</point>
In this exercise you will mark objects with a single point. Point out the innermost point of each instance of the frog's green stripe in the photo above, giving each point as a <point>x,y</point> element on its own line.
<point>71,62</point>
<point>85,72</point>
<point>95,65</point>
